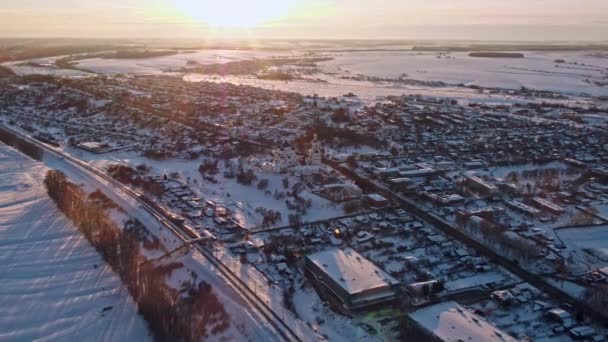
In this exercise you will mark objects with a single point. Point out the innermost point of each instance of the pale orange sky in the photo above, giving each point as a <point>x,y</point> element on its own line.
<point>315,19</point>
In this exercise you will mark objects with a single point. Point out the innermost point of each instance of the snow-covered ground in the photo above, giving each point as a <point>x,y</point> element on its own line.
<point>241,199</point>
<point>54,285</point>
<point>158,64</point>
<point>246,323</point>
<point>594,239</point>
<point>335,87</point>
<point>76,285</point>
<point>44,69</point>
<point>536,70</point>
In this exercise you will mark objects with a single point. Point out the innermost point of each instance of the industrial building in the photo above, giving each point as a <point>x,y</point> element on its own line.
<point>449,321</point>
<point>350,278</point>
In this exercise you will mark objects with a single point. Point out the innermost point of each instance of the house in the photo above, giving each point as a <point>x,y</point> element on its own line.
<point>447,200</point>
<point>448,321</point>
<point>548,206</point>
<point>350,279</point>
<point>424,172</point>
<point>400,184</point>
<point>582,333</point>
<point>561,316</point>
<point>340,192</point>
<point>93,147</point>
<point>481,186</point>
<point>424,288</point>
<point>377,201</point>
<point>523,208</point>
<point>511,188</point>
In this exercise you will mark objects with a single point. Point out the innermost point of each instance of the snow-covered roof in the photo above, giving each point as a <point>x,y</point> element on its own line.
<point>481,182</point>
<point>353,272</point>
<point>547,204</point>
<point>91,145</point>
<point>451,322</point>
<point>376,197</point>
<point>417,173</point>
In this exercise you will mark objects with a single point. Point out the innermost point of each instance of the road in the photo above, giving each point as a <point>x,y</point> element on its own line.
<point>513,267</point>
<point>281,328</point>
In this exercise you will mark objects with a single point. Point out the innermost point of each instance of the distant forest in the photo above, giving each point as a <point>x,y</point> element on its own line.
<point>512,47</point>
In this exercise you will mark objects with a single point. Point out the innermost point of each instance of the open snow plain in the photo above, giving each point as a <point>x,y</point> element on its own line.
<point>54,286</point>
<point>568,72</point>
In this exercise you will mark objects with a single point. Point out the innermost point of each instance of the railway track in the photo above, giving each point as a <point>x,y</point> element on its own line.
<point>183,233</point>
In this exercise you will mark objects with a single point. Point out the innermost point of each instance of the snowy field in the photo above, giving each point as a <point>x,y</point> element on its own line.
<point>63,297</point>
<point>43,66</point>
<point>54,285</point>
<point>157,65</point>
<point>241,199</point>
<point>335,87</point>
<point>591,238</point>
<point>23,69</point>
<point>536,70</point>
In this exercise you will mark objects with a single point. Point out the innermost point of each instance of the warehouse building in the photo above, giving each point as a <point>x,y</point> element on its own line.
<point>350,278</point>
<point>448,321</point>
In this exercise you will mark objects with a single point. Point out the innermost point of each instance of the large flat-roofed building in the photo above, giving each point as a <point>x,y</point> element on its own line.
<point>350,278</point>
<point>548,205</point>
<point>450,322</point>
<point>481,185</point>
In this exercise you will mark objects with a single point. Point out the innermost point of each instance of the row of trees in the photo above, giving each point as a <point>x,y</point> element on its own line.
<point>509,244</point>
<point>24,146</point>
<point>136,177</point>
<point>597,298</point>
<point>189,313</point>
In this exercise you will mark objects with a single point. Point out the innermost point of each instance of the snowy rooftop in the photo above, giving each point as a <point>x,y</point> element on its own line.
<point>351,270</point>
<point>451,322</point>
<point>376,197</point>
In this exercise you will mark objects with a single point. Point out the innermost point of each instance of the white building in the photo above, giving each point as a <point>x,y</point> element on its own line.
<point>350,278</point>
<point>315,154</point>
<point>448,321</point>
<point>285,156</point>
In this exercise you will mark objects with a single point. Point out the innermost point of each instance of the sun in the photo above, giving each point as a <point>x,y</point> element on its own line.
<point>233,13</point>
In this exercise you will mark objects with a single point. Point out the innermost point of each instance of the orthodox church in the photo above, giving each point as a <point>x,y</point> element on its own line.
<point>285,156</point>
<point>315,154</point>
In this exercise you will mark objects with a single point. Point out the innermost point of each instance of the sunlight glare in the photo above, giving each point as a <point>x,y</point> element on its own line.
<point>234,13</point>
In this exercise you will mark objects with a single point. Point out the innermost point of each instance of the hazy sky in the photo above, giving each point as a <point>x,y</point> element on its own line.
<point>319,19</point>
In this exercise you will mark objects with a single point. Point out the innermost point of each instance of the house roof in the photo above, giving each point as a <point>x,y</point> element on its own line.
<point>451,322</point>
<point>353,272</point>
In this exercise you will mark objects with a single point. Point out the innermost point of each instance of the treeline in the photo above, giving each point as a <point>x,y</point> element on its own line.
<point>251,66</point>
<point>514,47</point>
<point>34,49</point>
<point>191,312</point>
<point>138,54</point>
<point>136,177</point>
<point>20,144</point>
<point>344,136</point>
<point>597,298</point>
<point>497,54</point>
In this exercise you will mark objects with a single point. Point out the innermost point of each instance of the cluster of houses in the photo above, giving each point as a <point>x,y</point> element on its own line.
<point>448,158</point>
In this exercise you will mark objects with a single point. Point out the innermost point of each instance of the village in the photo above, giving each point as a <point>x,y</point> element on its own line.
<point>489,220</point>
